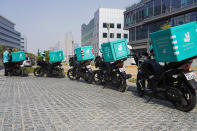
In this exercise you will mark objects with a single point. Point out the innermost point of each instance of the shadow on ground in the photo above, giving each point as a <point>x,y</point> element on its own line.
<point>146,98</point>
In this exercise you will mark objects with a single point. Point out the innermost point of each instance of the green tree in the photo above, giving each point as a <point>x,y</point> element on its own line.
<point>2,49</point>
<point>15,49</point>
<point>31,56</point>
<point>46,55</point>
<point>38,52</point>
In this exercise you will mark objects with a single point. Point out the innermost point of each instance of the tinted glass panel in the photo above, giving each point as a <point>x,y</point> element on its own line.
<point>125,36</point>
<point>165,6</point>
<point>111,35</point>
<point>148,10</point>
<point>104,35</point>
<point>176,4</point>
<point>104,25</point>
<point>132,34</point>
<point>157,7</point>
<point>119,26</point>
<point>111,25</point>
<point>118,35</point>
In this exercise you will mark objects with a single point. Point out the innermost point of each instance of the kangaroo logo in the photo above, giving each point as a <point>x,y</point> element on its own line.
<point>88,51</point>
<point>187,37</point>
<point>21,56</point>
<point>164,51</point>
<point>120,47</point>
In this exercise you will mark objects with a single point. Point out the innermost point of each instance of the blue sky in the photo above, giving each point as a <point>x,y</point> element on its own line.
<point>44,22</point>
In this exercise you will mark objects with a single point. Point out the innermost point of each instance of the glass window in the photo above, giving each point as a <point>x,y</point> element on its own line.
<point>142,32</point>
<point>140,14</point>
<point>118,35</point>
<point>165,6</point>
<point>111,25</point>
<point>104,25</point>
<point>132,34</point>
<point>193,16</point>
<point>127,19</point>
<point>153,27</point>
<point>111,35</point>
<point>181,20</point>
<point>176,4</point>
<point>148,10</point>
<point>157,7</point>
<point>186,3</point>
<point>125,36</point>
<point>119,26</point>
<point>104,35</point>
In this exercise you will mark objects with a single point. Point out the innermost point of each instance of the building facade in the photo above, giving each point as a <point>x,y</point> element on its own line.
<point>151,15</point>
<point>68,48</point>
<point>87,33</point>
<point>23,43</point>
<point>96,32</point>
<point>8,35</point>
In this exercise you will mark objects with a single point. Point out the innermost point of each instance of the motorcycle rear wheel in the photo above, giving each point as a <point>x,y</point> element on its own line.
<point>189,95</point>
<point>123,85</point>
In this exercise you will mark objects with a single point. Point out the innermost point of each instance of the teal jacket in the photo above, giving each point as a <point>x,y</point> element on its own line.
<point>151,48</point>
<point>6,57</point>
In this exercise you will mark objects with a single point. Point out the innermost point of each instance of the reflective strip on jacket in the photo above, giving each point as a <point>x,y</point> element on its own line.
<point>6,57</point>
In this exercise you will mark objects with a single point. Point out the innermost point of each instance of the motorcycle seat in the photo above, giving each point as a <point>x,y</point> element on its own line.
<point>151,67</point>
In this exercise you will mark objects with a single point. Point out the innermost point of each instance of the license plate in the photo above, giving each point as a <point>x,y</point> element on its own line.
<point>122,69</point>
<point>191,76</point>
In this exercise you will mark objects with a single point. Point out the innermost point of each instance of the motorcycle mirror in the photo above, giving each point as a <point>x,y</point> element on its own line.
<point>100,50</point>
<point>129,47</point>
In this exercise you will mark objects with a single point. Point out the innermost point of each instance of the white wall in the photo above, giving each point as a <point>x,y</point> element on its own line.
<point>68,47</point>
<point>105,15</point>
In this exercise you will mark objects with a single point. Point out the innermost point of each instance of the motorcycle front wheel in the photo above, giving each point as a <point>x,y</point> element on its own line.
<point>89,77</point>
<point>98,79</point>
<point>187,100</point>
<point>38,72</point>
<point>71,74</point>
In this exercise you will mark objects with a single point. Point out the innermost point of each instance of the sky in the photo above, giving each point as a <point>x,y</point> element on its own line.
<point>45,22</point>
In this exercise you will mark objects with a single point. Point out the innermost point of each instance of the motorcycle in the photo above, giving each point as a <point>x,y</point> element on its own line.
<point>112,73</point>
<point>17,69</point>
<point>80,69</point>
<point>50,69</point>
<point>173,82</point>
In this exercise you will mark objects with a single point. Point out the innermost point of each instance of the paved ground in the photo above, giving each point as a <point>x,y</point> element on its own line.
<point>60,104</point>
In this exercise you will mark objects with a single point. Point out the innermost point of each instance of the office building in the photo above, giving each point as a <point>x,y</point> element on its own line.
<point>23,43</point>
<point>68,47</point>
<point>8,35</point>
<point>96,32</point>
<point>151,15</point>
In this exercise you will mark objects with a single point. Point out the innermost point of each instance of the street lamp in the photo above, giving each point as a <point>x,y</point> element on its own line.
<point>108,26</point>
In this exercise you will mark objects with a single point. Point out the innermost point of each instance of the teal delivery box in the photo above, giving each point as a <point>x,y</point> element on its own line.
<point>84,53</point>
<point>56,56</point>
<point>176,43</point>
<point>115,50</point>
<point>18,56</point>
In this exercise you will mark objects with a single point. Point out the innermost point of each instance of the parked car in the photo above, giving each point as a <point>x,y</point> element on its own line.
<point>27,62</point>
